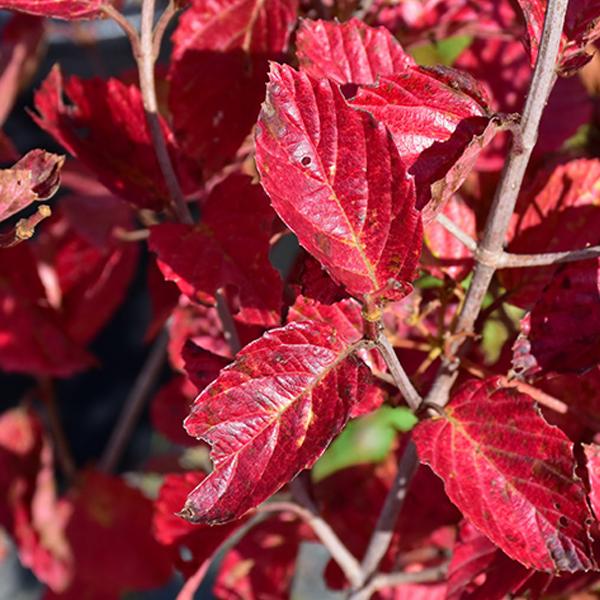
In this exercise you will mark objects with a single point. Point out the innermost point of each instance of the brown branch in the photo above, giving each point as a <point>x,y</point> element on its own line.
<point>384,529</point>
<point>401,379</point>
<point>134,404</point>
<point>489,252</point>
<point>509,260</point>
<point>61,445</point>
<point>342,556</point>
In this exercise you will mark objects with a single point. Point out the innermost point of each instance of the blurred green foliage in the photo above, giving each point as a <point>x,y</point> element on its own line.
<point>365,440</point>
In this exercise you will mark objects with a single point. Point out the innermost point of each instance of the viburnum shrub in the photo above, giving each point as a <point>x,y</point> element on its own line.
<point>409,405</point>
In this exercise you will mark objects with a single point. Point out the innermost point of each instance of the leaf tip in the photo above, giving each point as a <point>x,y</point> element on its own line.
<point>188,514</point>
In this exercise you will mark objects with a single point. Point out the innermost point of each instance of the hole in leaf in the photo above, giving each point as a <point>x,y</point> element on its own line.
<point>562,521</point>
<point>306,160</point>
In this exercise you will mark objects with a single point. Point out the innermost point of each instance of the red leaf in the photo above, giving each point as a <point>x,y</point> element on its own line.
<point>230,247</point>
<point>592,455</point>
<point>480,571</point>
<point>104,126</point>
<point>414,591</point>
<point>433,115</point>
<point>559,212</point>
<point>349,52</point>
<point>170,406</point>
<point>562,332</point>
<point>175,533</point>
<point>502,67</point>
<point>451,256</point>
<point>335,178</point>
<point>581,29</point>
<point>219,69</point>
<point>511,474</point>
<point>199,324</point>
<point>347,320</point>
<point>33,336</point>
<point>344,316</point>
<point>315,282</point>
<point>419,20</point>
<point>34,177</point>
<point>262,565</point>
<point>58,9</point>
<point>110,532</point>
<point>39,526</point>
<point>28,509</point>
<point>353,514</point>
<point>271,414</point>
<point>21,40</point>
<point>90,268</point>
<point>202,367</point>
<point>581,393</point>
<point>163,298</point>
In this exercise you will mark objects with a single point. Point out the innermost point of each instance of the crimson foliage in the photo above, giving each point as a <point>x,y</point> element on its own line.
<point>374,134</point>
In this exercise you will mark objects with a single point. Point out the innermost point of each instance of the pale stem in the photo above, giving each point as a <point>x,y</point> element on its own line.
<point>327,536</point>
<point>146,61</point>
<point>509,260</point>
<point>506,195</point>
<point>145,49</point>
<point>463,237</point>
<point>399,376</point>
<point>134,404</point>
<point>161,27</point>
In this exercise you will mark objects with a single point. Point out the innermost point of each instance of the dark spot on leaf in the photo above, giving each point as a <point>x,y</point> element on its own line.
<point>562,521</point>
<point>306,160</point>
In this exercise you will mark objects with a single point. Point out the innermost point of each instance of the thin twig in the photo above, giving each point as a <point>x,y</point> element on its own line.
<point>490,250</point>
<point>145,61</point>
<point>342,556</point>
<point>401,379</point>
<point>540,397</point>
<point>509,260</point>
<point>161,27</point>
<point>61,445</point>
<point>462,236</point>
<point>384,529</point>
<point>145,48</point>
<point>128,29</point>
<point>145,382</point>
<point>230,331</point>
